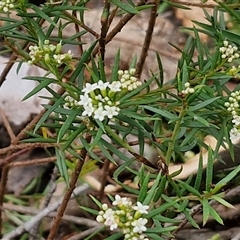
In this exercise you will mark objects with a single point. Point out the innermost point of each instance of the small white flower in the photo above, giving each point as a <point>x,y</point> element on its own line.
<point>111,111</point>
<point>234,134</point>
<point>100,219</point>
<point>109,213</point>
<point>120,72</point>
<point>84,100</point>
<point>139,225</point>
<point>110,219</point>
<point>99,114</point>
<point>102,85</point>
<point>88,110</point>
<point>104,207</point>
<point>132,71</point>
<point>236,120</point>
<point>119,201</point>
<point>89,87</point>
<point>225,43</point>
<point>141,208</point>
<point>115,86</point>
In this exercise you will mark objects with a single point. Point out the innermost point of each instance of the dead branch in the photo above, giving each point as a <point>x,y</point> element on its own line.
<point>26,227</point>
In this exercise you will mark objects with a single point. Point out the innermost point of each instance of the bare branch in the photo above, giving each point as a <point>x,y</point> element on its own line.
<point>26,227</point>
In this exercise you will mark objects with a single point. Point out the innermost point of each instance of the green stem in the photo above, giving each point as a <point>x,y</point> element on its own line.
<point>174,134</point>
<point>118,139</point>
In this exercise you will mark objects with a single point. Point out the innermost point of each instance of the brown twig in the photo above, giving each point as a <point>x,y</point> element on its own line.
<point>11,157</point>
<point>104,28</point>
<point>84,234</point>
<point>33,162</point>
<point>13,148</point>
<point>81,24</point>
<point>104,178</point>
<point>26,227</point>
<point>33,211</point>
<point>7,126</point>
<point>77,29</point>
<point>74,178</point>
<point>148,38</point>
<point>52,188</point>
<point>3,184</point>
<point>194,4</point>
<point>167,54</point>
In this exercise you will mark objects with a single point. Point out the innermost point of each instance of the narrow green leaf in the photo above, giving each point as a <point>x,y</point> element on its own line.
<point>115,67</point>
<point>38,88</point>
<point>229,177</point>
<point>97,202</point>
<point>161,230</point>
<point>61,164</point>
<point>90,210</point>
<point>160,189</point>
<point>11,26</point>
<point>198,179</point>
<point>206,210</point>
<point>209,169</point>
<point>177,5</point>
<point>161,71</point>
<point>222,201</point>
<point>84,58</point>
<point>152,191</point>
<point>215,215</point>
<point>42,14</point>
<point>67,124</point>
<point>166,219</point>
<point>73,136</point>
<point>202,104</point>
<point>189,188</point>
<point>161,112</point>
<point>96,138</point>
<point>190,219</point>
<point>125,7</point>
<point>144,188</point>
<point>106,152</point>
<point>162,208</point>
<point>47,113</point>
<point>154,236</point>
<point>115,236</point>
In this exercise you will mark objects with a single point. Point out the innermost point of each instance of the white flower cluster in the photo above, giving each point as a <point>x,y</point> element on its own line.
<point>127,217</point>
<point>234,71</point>
<point>187,89</point>
<point>229,51</point>
<point>70,102</point>
<point>101,100</point>
<point>128,80</point>
<point>49,53</point>
<point>233,107</point>
<point>6,5</point>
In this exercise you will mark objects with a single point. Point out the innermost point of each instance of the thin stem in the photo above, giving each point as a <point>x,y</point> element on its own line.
<point>69,192</point>
<point>3,184</point>
<point>81,24</point>
<point>104,28</point>
<point>7,125</point>
<point>21,146</point>
<point>104,178</point>
<point>77,29</point>
<point>194,4</point>
<point>148,38</point>
<point>174,134</point>
<point>27,226</point>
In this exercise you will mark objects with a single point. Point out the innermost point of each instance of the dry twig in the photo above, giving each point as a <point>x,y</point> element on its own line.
<point>26,227</point>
